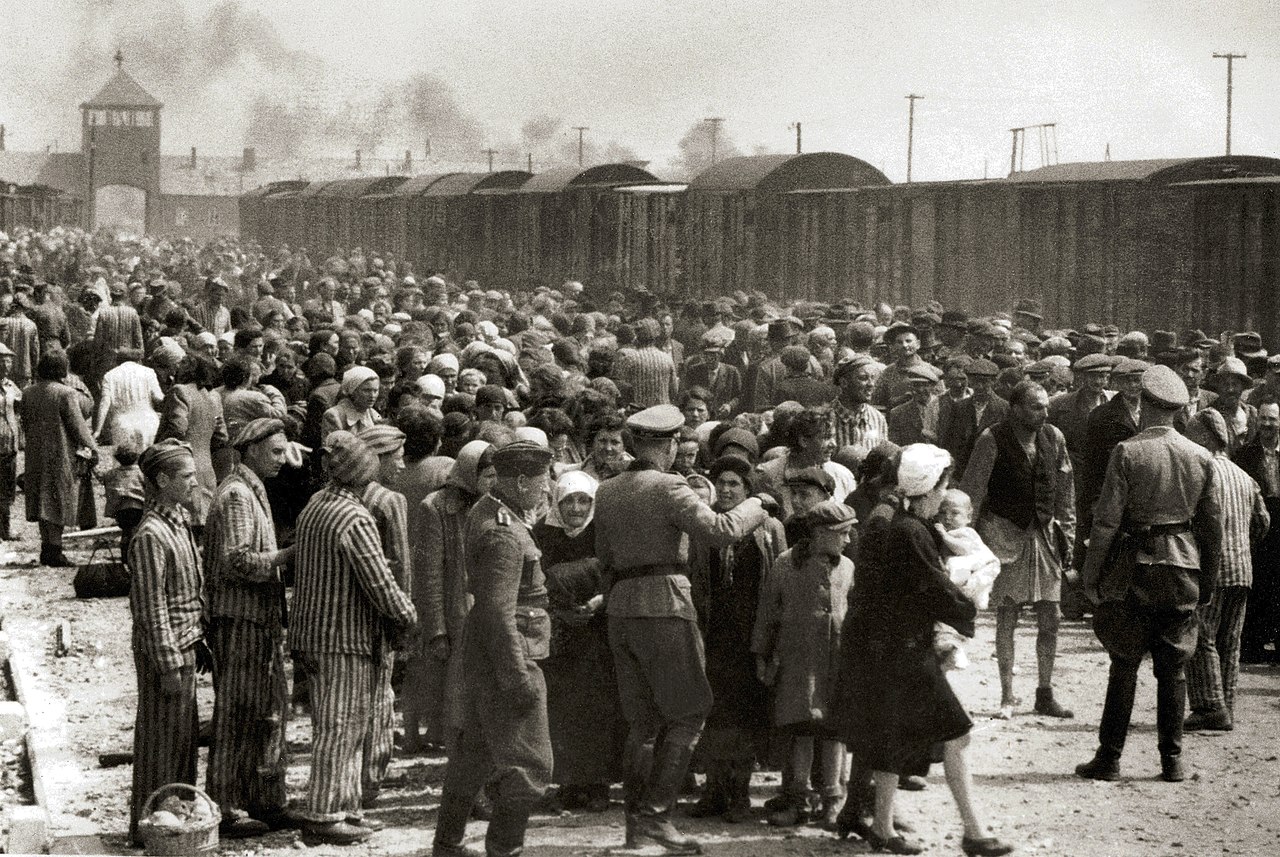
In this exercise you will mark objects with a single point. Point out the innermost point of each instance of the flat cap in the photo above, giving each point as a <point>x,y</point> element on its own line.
<point>717,339</point>
<point>1129,366</point>
<point>1029,307</point>
<point>857,361</point>
<point>1110,330</point>
<point>1041,368</point>
<point>522,458</point>
<point>898,329</point>
<point>956,318</point>
<point>1093,363</point>
<point>382,438</point>
<point>1162,387</point>
<point>982,368</point>
<point>814,476</point>
<point>982,327</point>
<point>256,430</point>
<point>737,437</point>
<point>657,422</point>
<point>832,515</point>
<point>926,372</point>
<point>1092,328</point>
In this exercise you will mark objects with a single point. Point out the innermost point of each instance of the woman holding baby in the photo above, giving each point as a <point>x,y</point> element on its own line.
<point>902,715</point>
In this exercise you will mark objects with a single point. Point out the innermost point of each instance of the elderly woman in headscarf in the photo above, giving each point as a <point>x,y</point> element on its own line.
<point>587,731</point>
<point>901,709</point>
<point>446,366</point>
<point>433,683</point>
<point>354,409</point>
<point>726,584</point>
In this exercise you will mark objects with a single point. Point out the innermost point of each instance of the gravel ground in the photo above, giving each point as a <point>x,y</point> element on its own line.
<point>1023,767</point>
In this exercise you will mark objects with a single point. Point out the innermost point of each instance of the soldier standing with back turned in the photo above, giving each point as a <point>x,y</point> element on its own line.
<point>644,518</point>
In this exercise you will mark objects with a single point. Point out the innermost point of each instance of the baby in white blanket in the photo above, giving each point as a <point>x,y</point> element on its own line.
<point>972,567</point>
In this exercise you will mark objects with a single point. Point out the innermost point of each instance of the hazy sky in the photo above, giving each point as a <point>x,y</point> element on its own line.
<point>640,73</point>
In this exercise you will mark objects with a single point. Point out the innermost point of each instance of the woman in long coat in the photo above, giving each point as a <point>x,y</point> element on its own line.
<point>726,584</point>
<point>901,707</point>
<point>434,680</point>
<point>587,729</point>
<point>59,447</point>
<point>192,411</point>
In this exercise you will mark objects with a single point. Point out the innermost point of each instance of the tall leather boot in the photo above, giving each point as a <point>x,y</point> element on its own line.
<point>6,534</point>
<point>738,789</point>
<point>1171,697</point>
<point>1117,710</point>
<point>715,792</point>
<point>653,819</point>
<point>451,827</point>
<point>505,837</point>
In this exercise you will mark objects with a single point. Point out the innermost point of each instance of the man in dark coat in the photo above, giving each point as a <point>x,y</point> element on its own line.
<point>1109,424</point>
<point>960,423</point>
<point>1261,459</point>
<point>1153,556</point>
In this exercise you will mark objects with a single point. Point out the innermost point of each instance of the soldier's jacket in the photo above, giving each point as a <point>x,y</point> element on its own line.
<point>508,623</point>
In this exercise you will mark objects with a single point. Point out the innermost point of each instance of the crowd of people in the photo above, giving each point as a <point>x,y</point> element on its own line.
<point>580,537</point>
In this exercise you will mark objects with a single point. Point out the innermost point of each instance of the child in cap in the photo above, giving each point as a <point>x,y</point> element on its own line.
<point>972,566</point>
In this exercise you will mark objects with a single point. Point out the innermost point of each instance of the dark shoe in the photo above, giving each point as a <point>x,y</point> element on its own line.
<point>1048,706</point>
<point>242,827</point>
<point>1100,767</point>
<point>369,796</point>
<point>505,836</point>
<point>776,803</point>
<point>794,812</point>
<point>987,846</point>
<point>1209,721</point>
<point>53,557</point>
<point>281,819</point>
<point>438,850</point>
<point>739,812</point>
<point>892,845</point>
<point>334,833</point>
<point>1171,770</point>
<point>912,784</point>
<point>711,804</point>
<point>659,830</point>
<point>370,824</point>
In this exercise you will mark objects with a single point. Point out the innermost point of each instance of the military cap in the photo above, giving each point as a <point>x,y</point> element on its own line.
<point>717,339</point>
<point>926,372</point>
<point>1093,363</point>
<point>658,421</point>
<point>1040,368</point>
<point>1129,366</point>
<point>814,476</point>
<point>5,351</point>
<point>256,430</point>
<point>857,361</point>
<point>982,368</point>
<point>895,330</point>
<point>957,318</point>
<point>831,514</point>
<point>382,438</point>
<point>522,458</point>
<point>1162,387</point>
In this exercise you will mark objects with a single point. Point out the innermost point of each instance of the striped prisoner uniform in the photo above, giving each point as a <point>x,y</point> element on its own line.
<point>247,763</point>
<point>390,512</point>
<point>651,374</point>
<point>1214,668</point>
<point>165,602</point>
<point>345,597</point>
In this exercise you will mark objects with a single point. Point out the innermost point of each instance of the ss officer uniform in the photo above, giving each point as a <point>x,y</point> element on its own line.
<point>644,519</point>
<point>1152,557</point>
<point>504,738</point>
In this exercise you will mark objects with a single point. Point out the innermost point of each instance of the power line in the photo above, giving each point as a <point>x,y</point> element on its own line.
<point>1230,58</point>
<point>714,122</point>
<point>911,129</point>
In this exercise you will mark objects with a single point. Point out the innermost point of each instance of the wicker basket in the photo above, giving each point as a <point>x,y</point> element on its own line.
<point>196,839</point>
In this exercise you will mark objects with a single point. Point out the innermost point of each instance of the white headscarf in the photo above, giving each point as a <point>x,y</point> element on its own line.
<point>354,377</point>
<point>573,482</point>
<point>920,468</point>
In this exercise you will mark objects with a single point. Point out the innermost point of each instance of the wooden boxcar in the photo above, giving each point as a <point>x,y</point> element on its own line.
<point>567,225</point>
<point>460,227</point>
<point>735,217</point>
<point>650,252</point>
<point>37,207</point>
<point>256,214</point>
<point>338,203</point>
<point>371,213</point>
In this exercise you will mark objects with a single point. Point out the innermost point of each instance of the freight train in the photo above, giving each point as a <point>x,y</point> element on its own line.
<point>1189,242</point>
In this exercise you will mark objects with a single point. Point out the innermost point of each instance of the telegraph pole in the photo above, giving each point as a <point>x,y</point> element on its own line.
<point>529,160</point>
<point>911,129</point>
<point>1230,58</point>
<point>490,153</point>
<point>581,129</point>
<point>714,122</point>
<point>796,125</point>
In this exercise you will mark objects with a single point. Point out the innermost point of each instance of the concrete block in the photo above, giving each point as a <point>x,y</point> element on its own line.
<point>28,830</point>
<point>78,845</point>
<point>13,720</point>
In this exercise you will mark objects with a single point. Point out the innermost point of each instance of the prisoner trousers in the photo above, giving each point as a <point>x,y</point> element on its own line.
<point>165,734</point>
<point>378,742</point>
<point>247,762</point>
<point>341,699</point>
<point>1214,668</point>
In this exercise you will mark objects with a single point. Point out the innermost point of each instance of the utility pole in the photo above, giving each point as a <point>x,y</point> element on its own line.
<point>490,153</point>
<point>529,161</point>
<point>911,130</point>
<point>796,125</point>
<point>1230,58</point>
<point>714,122</point>
<point>580,129</point>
